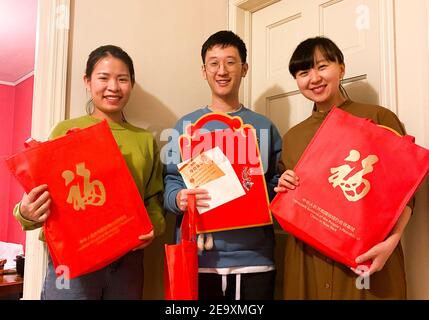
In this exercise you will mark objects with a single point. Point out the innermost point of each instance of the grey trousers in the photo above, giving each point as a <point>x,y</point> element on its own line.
<point>120,280</point>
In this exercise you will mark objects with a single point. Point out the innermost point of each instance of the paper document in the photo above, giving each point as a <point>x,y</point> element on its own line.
<point>212,171</point>
<point>9,251</point>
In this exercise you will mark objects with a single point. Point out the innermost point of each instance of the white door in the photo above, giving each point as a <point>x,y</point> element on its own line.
<point>277,29</point>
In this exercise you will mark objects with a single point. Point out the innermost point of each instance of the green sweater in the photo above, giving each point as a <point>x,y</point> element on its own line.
<point>141,154</point>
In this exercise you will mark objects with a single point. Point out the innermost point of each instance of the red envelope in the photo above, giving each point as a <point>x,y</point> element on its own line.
<point>97,212</point>
<point>355,180</point>
<point>239,144</point>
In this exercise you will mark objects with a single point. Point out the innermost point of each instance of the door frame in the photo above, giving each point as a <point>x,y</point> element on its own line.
<point>240,21</point>
<point>49,96</point>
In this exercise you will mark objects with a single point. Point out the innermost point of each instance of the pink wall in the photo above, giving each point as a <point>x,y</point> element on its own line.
<point>7,101</point>
<point>17,130</point>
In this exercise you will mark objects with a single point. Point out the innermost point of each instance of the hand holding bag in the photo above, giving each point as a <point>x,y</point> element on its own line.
<point>238,143</point>
<point>352,191</point>
<point>97,212</point>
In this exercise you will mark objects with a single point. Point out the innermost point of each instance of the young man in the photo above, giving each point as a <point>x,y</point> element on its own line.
<point>239,264</point>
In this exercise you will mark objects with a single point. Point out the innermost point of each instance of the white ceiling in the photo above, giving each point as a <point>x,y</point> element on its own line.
<point>17,38</point>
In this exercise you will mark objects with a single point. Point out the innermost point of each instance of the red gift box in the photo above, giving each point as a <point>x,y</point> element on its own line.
<point>238,142</point>
<point>97,212</point>
<point>352,192</point>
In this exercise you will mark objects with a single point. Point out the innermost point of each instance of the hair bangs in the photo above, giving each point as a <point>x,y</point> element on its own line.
<point>302,63</point>
<point>303,56</point>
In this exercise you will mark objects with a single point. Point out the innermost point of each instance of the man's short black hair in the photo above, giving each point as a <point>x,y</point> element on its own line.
<point>224,39</point>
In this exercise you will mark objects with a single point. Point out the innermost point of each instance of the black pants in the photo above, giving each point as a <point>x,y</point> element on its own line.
<point>254,286</point>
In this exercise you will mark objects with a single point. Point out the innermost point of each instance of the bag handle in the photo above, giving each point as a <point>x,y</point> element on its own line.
<point>405,137</point>
<point>235,123</point>
<point>188,229</point>
<point>71,130</point>
<point>192,130</point>
<point>30,142</point>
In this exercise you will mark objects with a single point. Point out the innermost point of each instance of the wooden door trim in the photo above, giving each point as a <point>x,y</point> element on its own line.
<point>240,22</point>
<point>49,96</point>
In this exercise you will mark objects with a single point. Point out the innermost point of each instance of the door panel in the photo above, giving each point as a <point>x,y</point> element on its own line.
<point>279,28</point>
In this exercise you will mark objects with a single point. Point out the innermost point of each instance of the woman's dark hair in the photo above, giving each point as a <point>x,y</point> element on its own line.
<point>104,51</point>
<point>100,53</point>
<point>303,56</point>
<point>224,39</point>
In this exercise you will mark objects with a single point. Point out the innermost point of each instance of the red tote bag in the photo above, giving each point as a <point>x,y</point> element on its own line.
<point>97,212</point>
<point>238,143</point>
<point>355,180</point>
<point>181,260</point>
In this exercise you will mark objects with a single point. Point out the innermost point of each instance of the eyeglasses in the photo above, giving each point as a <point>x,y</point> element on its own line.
<point>213,66</point>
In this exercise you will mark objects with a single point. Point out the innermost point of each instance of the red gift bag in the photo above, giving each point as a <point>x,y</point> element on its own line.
<point>97,212</point>
<point>238,143</point>
<point>181,260</point>
<point>355,180</point>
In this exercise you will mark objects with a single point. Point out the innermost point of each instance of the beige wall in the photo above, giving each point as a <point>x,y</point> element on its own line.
<point>412,55</point>
<point>164,39</point>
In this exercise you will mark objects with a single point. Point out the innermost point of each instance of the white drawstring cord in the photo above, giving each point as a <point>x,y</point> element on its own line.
<point>224,284</point>
<point>237,286</point>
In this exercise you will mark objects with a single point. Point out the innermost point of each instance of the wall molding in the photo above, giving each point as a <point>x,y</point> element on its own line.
<point>252,5</point>
<point>49,94</point>
<point>7,83</point>
<point>15,83</point>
